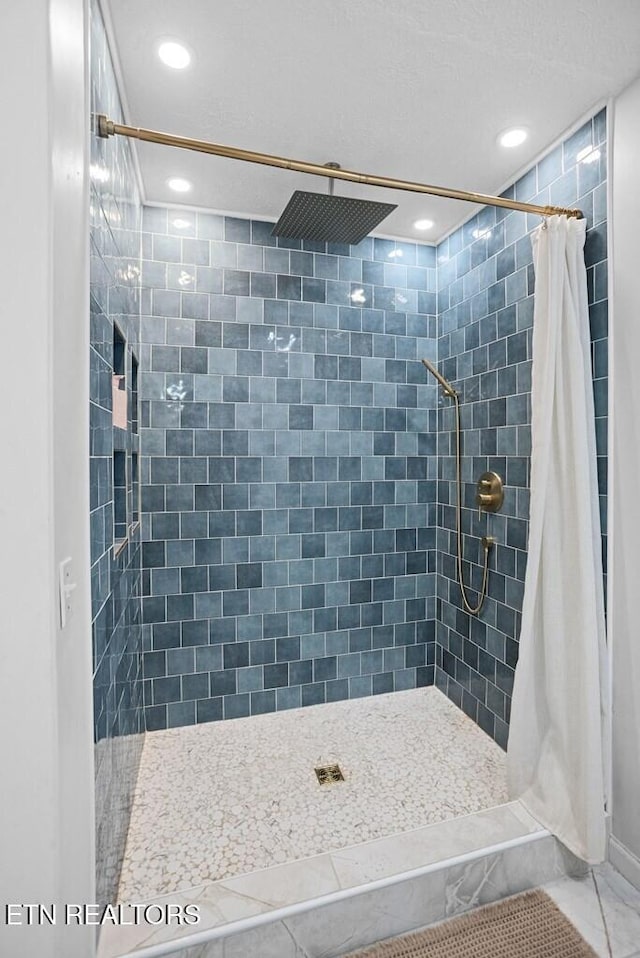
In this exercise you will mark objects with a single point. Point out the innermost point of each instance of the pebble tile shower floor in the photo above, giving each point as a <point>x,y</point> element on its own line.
<point>226,798</point>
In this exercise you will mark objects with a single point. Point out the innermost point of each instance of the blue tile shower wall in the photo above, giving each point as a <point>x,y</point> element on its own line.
<point>485,314</point>
<point>289,472</point>
<point>115,579</point>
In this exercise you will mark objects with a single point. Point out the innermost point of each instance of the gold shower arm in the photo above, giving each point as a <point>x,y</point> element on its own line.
<point>106,128</point>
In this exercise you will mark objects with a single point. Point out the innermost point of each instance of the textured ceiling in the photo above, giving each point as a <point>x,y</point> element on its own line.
<point>415,89</point>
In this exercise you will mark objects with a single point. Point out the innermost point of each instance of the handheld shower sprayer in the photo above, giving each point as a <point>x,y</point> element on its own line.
<point>487,541</point>
<point>447,388</point>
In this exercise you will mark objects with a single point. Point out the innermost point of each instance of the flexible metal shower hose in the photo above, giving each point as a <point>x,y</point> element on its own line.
<point>471,609</point>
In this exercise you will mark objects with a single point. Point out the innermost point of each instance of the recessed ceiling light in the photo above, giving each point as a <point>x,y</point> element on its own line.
<point>423,224</point>
<point>513,137</point>
<point>178,185</point>
<point>180,224</point>
<point>174,55</point>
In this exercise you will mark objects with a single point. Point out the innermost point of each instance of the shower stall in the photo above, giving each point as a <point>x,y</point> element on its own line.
<point>284,518</point>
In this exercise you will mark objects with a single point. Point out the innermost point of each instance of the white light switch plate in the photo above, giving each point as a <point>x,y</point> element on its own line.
<point>67,588</point>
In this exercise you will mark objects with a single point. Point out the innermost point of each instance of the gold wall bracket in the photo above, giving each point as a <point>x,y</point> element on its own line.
<point>490,493</point>
<point>104,126</point>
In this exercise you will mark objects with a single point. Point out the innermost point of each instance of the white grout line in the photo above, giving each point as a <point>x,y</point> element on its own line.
<point>278,914</point>
<point>602,915</point>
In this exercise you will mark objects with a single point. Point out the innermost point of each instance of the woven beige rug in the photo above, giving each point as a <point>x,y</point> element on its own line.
<point>526,926</point>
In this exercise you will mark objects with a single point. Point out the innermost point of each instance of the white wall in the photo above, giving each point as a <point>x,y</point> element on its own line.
<point>46,792</point>
<point>624,605</point>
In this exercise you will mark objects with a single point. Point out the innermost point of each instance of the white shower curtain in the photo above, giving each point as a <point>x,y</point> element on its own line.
<point>559,717</point>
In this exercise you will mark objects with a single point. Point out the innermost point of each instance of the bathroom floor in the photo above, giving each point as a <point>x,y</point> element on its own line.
<point>616,901</point>
<point>226,798</point>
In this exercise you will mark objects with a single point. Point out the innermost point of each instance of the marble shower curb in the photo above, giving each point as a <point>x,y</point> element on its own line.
<point>364,895</point>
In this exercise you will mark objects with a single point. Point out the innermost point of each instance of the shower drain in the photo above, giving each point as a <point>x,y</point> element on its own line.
<point>328,774</point>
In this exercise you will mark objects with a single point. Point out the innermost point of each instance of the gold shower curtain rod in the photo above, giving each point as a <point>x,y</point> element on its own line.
<point>107,128</point>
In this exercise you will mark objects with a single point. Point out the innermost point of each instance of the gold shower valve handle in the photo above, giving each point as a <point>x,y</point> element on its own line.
<point>490,492</point>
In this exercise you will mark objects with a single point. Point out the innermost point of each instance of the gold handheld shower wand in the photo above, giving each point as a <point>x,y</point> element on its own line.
<point>487,541</point>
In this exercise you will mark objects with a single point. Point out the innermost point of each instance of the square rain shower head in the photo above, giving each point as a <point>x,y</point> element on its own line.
<point>330,219</point>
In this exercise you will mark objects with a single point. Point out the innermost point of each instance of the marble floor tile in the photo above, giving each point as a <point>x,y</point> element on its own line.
<point>271,941</point>
<point>222,799</point>
<point>217,905</point>
<point>353,923</point>
<point>284,884</point>
<point>211,949</point>
<point>621,905</point>
<point>510,872</point>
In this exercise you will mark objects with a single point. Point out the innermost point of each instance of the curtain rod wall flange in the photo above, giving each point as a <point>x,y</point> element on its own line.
<point>106,128</point>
